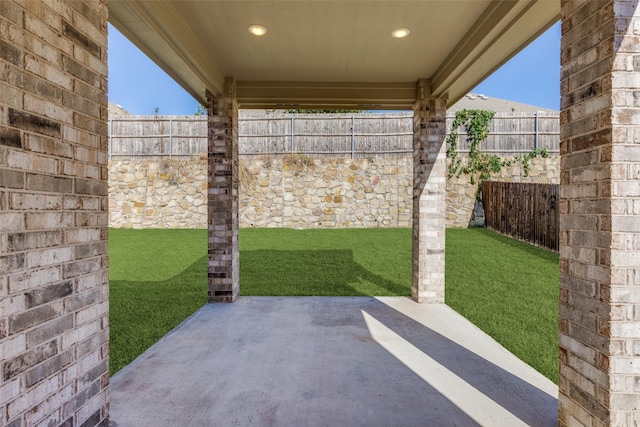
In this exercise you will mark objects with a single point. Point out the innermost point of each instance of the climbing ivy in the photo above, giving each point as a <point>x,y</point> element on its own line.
<point>479,165</point>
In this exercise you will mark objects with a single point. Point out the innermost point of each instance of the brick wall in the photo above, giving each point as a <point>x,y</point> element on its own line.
<point>222,196</point>
<point>599,226</point>
<point>53,213</point>
<point>429,188</point>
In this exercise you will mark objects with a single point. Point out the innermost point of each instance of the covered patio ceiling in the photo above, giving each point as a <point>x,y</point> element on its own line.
<point>332,54</point>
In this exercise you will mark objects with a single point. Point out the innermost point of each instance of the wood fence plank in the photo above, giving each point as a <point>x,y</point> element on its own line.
<point>524,211</point>
<point>375,135</point>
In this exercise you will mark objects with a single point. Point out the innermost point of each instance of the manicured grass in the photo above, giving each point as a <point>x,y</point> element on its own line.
<point>325,262</point>
<point>509,289</point>
<point>157,279</point>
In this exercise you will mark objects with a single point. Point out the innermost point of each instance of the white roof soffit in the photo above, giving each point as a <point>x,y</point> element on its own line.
<point>332,54</point>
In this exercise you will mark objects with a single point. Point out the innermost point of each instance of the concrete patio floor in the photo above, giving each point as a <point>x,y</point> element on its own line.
<point>329,361</point>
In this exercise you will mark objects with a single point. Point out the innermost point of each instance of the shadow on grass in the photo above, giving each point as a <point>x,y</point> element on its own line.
<point>143,312</point>
<point>311,273</point>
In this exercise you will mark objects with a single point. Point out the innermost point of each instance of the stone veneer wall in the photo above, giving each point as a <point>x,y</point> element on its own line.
<point>326,193</point>
<point>54,350</point>
<point>158,193</point>
<point>461,193</point>
<point>297,193</point>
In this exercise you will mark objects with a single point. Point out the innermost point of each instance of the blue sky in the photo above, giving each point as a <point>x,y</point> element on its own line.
<point>140,86</point>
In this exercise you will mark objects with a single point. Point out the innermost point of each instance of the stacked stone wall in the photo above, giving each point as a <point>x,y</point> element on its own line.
<point>158,193</point>
<point>54,334</point>
<point>293,192</point>
<point>326,193</point>
<point>461,193</point>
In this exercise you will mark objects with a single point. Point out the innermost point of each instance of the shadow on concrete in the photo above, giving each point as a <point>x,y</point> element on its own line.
<point>311,273</point>
<point>499,385</point>
<point>317,361</point>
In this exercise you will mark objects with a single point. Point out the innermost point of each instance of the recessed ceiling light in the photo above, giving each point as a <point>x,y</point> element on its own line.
<point>399,33</point>
<point>257,30</point>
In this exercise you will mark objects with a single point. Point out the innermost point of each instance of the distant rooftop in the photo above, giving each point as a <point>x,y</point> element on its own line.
<point>478,101</point>
<point>117,110</point>
<point>471,101</point>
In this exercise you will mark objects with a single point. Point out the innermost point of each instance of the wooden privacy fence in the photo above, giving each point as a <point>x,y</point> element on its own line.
<point>524,211</point>
<point>135,136</point>
<point>320,135</point>
<point>327,135</point>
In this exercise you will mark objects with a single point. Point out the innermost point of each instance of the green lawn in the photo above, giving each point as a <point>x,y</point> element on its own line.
<point>507,288</point>
<point>325,262</point>
<point>510,290</point>
<point>157,279</point>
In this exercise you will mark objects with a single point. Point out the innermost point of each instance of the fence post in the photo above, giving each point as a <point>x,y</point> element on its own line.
<point>292,128</point>
<point>110,137</point>
<point>353,136</point>
<point>535,129</point>
<point>170,137</point>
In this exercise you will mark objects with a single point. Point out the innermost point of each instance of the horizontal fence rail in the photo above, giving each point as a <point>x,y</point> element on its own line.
<point>524,211</point>
<point>352,135</point>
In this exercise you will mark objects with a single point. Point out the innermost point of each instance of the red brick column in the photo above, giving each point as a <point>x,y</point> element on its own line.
<point>429,187</point>
<point>54,328</point>
<point>599,224</point>
<point>222,194</point>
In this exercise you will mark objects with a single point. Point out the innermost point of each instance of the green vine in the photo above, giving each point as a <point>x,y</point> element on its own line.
<point>478,165</point>
<point>526,158</point>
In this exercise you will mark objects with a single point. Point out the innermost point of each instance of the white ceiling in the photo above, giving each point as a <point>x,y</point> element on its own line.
<point>332,53</point>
